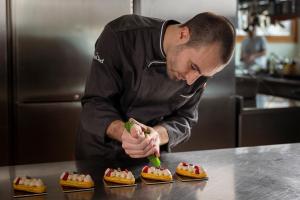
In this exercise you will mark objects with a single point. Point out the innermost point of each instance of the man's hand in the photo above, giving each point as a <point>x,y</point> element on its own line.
<point>154,136</point>
<point>137,144</point>
<point>252,57</point>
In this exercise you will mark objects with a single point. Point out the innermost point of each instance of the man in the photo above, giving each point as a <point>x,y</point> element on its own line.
<point>153,71</point>
<point>253,51</point>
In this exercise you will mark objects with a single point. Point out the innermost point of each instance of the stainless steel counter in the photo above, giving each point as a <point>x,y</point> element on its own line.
<point>263,172</point>
<point>262,101</point>
<point>248,86</point>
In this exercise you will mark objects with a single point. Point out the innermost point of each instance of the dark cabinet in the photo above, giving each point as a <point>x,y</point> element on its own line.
<point>269,126</point>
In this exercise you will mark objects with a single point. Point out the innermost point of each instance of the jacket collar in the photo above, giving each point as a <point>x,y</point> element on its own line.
<point>159,54</point>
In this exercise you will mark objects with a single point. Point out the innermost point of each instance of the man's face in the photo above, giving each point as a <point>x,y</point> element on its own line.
<point>189,63</point>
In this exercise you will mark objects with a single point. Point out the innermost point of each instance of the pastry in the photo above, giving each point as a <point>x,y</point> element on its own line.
<point>29,184</point>
<point>156,173</point>
<point>119,176</point>
<point>73,179</point>
<point>190,170</point>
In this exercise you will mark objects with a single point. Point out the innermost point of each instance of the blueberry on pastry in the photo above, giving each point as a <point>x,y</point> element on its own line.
<point>73,179</point>
<point>28,184</point>
<point>156,173</point>
<point>119,176</point>
<point>190,170</point>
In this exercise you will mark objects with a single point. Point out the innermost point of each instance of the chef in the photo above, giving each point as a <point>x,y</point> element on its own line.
<point>153,71</point>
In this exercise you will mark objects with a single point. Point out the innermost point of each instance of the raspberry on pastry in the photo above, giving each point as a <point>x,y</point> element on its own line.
<point>190,170</point>
<point>29,184</point>
<point>119,176</point>
<point>73,179</point>
<point>156,173</point>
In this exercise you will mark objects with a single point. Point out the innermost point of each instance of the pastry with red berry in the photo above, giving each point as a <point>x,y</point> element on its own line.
<point>76,180</point>
<point>156,173</point>
<point>28,184</point>
<point>118,176</point>
<point>190,170</point>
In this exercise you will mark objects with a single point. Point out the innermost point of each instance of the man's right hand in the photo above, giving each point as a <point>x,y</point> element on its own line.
<point>136,144</point>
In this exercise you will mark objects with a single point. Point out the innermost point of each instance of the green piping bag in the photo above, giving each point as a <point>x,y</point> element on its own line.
<point>154,160</point>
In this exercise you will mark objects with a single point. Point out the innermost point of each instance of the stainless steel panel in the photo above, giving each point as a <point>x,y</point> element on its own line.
<point>280,87</point>
<point>216,125</point>
<point>252,173</point>
<point>4,137</point>
<point>46,132</point>
<point>183,10</point>
<point>54,42</point>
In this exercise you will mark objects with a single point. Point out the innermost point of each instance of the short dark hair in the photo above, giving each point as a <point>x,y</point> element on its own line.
<point>207,28</point>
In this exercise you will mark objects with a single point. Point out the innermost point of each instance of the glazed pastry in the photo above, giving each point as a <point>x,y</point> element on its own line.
<point>156,173</point>
<point>190,170</point>
<point>73,179</point>
<point>28,184</point>
<point>119,176</point>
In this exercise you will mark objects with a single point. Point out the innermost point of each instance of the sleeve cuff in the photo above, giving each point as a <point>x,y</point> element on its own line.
<point>167,147</point>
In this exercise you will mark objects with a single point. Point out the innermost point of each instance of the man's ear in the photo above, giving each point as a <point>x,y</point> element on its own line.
<point>184,36</point>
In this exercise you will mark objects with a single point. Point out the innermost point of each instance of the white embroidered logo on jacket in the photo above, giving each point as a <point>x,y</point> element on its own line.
<point>97,57</point>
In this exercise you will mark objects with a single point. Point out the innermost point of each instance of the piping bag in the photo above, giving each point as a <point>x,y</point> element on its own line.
<point>154,160</point>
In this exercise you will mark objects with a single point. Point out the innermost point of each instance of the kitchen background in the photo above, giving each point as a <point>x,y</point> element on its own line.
<point>46,49</point>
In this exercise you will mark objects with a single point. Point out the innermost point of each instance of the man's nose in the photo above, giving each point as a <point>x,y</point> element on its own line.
<point>191,77</point>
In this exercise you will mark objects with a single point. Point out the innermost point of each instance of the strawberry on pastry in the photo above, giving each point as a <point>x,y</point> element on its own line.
<point>119,176</point>
<point>156,173</point>
<point>28,184</point>
<point>73,179</point>
<point>190,170</point>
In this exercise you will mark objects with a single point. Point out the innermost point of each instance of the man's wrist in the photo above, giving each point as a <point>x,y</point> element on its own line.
<point>115,130</point>
<point>163,134</point>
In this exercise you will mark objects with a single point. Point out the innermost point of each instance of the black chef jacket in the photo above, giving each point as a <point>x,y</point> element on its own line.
<point>128,78</point>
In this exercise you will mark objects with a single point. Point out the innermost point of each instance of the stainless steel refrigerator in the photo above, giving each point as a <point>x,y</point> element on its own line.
<point>53,43</point>
<point>216,127</point>
<point>4,122</point>
<point>46,48</point>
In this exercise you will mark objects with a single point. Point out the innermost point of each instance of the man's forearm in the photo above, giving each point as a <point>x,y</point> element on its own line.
<point>115,130</point>
<point>163,134</point>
